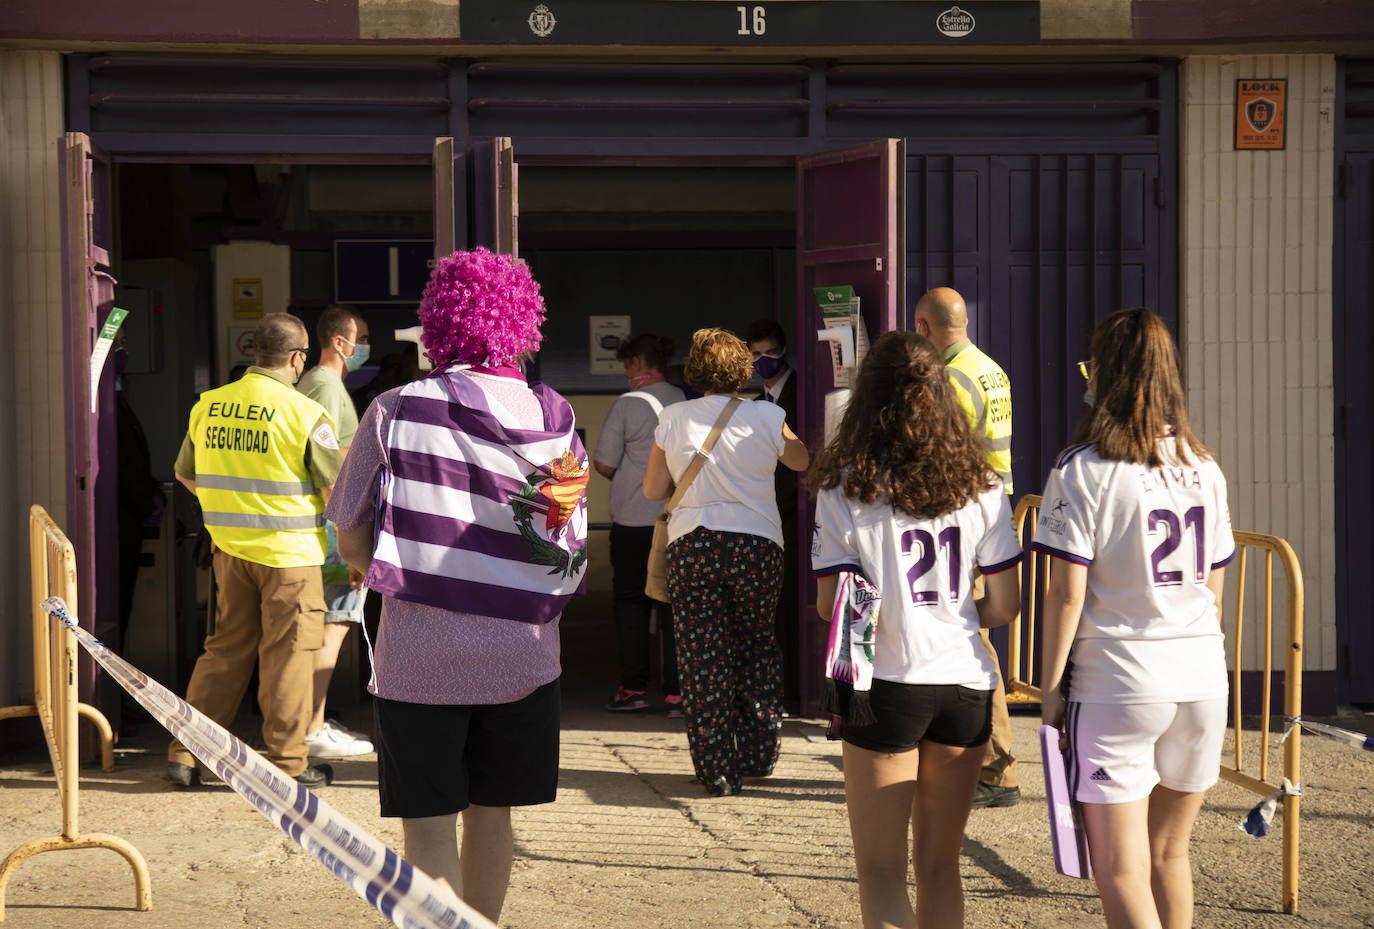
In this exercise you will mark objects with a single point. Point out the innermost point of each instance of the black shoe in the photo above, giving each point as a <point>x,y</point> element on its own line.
<point>316,776</point>
<point>988,795</point>
<point>183,775</point>
<point>626,699</point>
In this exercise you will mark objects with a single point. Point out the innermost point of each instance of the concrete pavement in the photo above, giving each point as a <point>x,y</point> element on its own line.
<point>631,844</point>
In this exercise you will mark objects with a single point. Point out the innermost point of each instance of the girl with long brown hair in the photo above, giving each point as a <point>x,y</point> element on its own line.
<point>906,500</point>
<point>1136,519</point>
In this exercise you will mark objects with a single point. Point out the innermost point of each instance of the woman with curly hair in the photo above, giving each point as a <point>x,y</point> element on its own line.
<point>906,500</point>
<point>461,501</point>
<point>1135,517</point>
<point>725,562</point>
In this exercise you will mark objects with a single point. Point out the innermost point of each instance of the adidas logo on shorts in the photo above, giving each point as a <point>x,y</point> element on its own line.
<point>1099,775</point>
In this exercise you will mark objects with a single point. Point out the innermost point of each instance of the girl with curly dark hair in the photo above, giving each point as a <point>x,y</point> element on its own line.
<point>906,499</point>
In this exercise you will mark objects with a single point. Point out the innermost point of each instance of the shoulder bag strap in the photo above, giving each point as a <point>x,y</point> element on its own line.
<point>700,458</point>
<point>654,403</point>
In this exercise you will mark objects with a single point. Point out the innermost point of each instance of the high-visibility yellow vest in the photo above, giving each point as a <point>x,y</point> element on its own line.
<point>256,493</point>
<point>985,393</point>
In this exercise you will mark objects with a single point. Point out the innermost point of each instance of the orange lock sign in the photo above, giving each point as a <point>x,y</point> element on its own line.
<point>1261,113</point>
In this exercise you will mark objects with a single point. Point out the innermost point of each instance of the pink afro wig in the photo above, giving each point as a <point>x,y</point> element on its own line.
<point>478,306</point>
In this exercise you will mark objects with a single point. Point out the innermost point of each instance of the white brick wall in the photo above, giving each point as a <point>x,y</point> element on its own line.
<point>32,455</point>
<point>1256,297</point>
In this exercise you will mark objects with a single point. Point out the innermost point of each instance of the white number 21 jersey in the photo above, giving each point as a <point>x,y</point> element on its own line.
<point>1149,538</point>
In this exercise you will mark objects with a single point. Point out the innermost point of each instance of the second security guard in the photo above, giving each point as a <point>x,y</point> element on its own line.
<point>262,459</point>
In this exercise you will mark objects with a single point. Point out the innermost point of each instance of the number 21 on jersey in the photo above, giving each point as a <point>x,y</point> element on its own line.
<point>928,550</point>
<point>1173,530</point>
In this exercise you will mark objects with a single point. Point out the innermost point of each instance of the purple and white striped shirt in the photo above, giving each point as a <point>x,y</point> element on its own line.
<point>443,655</point>
<point>476,510</point>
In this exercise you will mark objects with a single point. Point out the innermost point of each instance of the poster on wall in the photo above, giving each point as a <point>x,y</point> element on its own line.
<point>1261,113</point>
<point>247,298</point>
<point>607,332</point>
<point>241,345</point>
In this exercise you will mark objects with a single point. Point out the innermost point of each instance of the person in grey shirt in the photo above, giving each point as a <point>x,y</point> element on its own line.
<point>622,455</point>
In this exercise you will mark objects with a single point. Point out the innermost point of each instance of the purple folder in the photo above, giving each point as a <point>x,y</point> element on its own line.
<point>1067,834</point>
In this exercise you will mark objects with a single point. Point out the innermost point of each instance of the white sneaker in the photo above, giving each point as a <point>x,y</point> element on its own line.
<point>334,741</point>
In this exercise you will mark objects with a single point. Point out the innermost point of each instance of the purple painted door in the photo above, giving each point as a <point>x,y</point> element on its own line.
<point>849,231</point>
<point>1354,424</point>
<point>1041,246</point>
<point>92,508</point>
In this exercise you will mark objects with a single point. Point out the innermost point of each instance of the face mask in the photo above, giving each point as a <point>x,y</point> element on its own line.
<point>1088,398</point>
<point>359,357</point>
<point>770,366</point>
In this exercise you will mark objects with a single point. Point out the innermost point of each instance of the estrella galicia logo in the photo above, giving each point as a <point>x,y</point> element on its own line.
<point>1260,112</point>
<point>955,23</point>
<point>542,21</point>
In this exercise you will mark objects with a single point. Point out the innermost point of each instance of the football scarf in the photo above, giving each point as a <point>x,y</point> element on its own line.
<point>849,655</point>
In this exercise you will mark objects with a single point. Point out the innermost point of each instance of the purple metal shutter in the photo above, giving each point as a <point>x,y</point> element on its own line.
<point>1041,247</point>
<point>1353,336</point>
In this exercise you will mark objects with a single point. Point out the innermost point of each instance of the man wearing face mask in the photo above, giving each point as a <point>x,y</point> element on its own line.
<point>768,344</point>
<point>344,348</point>
<point>261,459</point>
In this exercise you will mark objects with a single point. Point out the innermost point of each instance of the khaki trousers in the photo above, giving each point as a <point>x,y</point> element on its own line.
<point>272,617</point>
<point>999,766</point>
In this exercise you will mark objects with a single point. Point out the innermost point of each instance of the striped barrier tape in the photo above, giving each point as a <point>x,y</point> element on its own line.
<point>1335,733</point>
<point>398,890</point>
<point>1257,821</point>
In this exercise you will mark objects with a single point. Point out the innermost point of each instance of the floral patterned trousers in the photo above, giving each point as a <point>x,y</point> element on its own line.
<point>724,586</point>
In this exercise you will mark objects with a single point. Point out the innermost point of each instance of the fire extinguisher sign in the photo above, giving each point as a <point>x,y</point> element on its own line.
<point>1261,113</point>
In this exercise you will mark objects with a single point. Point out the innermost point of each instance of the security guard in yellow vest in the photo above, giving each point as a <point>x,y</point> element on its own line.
<point>262,459</point>
<point>985,392</point>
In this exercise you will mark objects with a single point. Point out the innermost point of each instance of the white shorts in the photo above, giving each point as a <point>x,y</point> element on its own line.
<point>1119,752</point>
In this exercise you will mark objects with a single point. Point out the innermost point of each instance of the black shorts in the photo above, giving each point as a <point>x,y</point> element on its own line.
<point>436,760</point>
<point>905,715</point>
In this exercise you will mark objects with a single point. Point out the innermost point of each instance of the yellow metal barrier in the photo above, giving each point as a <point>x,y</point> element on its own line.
<point>1271,547</point>
<point>1020,673</point>
<point>53,573</point>
<point>1021,632</point>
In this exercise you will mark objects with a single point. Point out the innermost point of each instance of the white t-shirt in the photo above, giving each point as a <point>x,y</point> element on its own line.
<point>1149,537</point>
<point>928,623</point>
<point>733,492</point>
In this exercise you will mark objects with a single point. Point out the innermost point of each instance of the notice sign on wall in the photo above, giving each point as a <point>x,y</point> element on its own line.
<point>247,298</point>
<point>1261,112</point>
<point>241,345</point>
<point>607,332</point>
